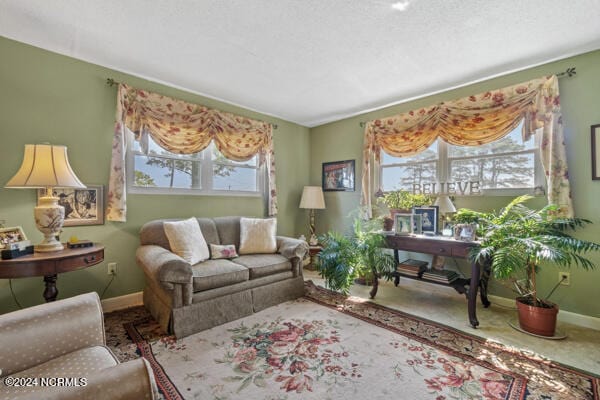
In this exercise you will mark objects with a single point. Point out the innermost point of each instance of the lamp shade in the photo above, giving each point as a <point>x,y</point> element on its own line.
<point>45,166</point>
<point>312,197</point>
<point>445,204</point>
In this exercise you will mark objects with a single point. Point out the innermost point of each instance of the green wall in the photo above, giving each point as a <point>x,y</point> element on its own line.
<point>46,97</point>
<point>580,98</point>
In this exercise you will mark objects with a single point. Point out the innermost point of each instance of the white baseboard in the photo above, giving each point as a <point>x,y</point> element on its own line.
<point>563,316</point>
<point>122,302</point>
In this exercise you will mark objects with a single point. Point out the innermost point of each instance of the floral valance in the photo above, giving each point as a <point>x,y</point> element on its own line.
<point>473,121</point>
<point>183,128</point>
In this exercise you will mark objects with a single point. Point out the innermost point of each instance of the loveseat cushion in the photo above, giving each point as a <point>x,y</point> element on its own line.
<point>212,274</point>
<point>264,264</point>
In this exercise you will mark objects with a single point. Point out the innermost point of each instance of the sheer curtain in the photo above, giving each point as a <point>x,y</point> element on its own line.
<point>183,128</point>
<point>473,121</point>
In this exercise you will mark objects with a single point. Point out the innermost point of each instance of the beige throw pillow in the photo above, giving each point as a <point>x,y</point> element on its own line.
<point>258,235</point>
<point>186,240</point>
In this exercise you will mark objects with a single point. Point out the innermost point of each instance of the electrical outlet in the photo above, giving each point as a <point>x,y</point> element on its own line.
<point>112,268</point>
<point>564,278</point>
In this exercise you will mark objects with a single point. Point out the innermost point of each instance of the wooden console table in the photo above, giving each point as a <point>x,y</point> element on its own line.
<point>49,265</point>
<point>441,246</point>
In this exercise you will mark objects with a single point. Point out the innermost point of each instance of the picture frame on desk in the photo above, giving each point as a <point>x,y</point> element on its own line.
<point>10,236</point>
<point>429,218</point>
<point>465,232</point>
<point>82,206</point>
<point>403,224</point>
<point>417,224</point>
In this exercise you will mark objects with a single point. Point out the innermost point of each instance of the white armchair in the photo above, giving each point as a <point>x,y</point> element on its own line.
<point>65,339</point>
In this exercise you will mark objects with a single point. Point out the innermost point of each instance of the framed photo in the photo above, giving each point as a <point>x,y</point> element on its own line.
<point>595,152</point>
<point>82,206</point>
<point>465,232</point>
<point>338,176</point>
<point>403,224</point>
<point>448,229</point>
<point>12,235</point>
<point>417,224</point>
<point>429,218</point>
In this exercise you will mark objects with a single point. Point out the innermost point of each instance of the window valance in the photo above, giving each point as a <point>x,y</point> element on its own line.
<point>473,121</point>
<point>183,128</point>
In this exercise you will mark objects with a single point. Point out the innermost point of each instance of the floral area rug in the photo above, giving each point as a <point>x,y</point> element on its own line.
<point>328,346</point>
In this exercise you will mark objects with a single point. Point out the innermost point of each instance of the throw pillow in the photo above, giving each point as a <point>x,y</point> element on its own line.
<point>258,235</point>
<point>222,251</point>
<point>186,240</point>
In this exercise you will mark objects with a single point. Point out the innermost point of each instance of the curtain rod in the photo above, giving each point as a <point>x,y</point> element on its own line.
<point>111,82</point>
<point>565,74</point>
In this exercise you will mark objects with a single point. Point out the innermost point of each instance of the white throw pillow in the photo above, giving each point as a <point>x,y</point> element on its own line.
<point>186,240</point>
<point>258,235</point>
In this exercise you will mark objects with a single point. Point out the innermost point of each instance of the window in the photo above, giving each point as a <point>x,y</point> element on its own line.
<point>152,169</point>
<point>504,167</point>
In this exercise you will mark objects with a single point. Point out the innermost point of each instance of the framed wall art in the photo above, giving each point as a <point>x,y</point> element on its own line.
<point>429,217</point>
<point>82,206</point>
<point>595,152</point>
<point>338,176</point>
<point>403,223</point>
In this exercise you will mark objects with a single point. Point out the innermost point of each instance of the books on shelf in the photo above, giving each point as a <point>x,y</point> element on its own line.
<point>442,276</point>
<point>412,267</point>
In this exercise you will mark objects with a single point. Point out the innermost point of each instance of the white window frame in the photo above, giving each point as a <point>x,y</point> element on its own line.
<point>443,169</point>
<point>206,177</point>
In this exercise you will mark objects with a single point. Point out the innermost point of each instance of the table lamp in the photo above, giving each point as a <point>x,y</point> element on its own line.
<point>46,167</point>
<point>312,198</point>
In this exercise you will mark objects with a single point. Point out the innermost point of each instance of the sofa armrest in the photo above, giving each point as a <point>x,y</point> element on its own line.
<point>163,266</point>
<point>131,380</point>
<point>37,334</point>
<point>291,248</point>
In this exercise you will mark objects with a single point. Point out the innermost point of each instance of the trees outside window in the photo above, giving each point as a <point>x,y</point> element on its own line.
<point>506,165</point>
<point>153,169</point>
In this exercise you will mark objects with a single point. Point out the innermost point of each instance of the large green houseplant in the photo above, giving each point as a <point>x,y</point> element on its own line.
<point>517,241</point>
<point>345,258</point>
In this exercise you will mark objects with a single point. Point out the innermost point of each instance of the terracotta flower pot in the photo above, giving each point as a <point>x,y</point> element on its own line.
<point>537,320</point>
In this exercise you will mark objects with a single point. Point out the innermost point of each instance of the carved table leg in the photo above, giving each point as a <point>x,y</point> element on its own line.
<point>396,274</point>
<point>51,292</point>
<point>483,284</point>
<point>472,294</point>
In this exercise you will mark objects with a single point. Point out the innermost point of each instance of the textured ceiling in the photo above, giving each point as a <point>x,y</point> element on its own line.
<point>308,61</point>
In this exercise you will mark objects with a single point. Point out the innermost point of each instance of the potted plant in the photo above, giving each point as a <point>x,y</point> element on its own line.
<point>518,241</point>
<point>403,201</point>
<point>345,258</point>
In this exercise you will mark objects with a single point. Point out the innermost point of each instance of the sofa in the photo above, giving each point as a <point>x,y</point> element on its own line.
<point>187,298</point>
<point>58,351</point>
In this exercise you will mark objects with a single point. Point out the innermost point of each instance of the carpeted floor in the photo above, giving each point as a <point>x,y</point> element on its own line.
<point>327,346</point>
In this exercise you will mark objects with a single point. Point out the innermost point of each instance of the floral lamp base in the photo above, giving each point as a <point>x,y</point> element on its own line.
<point>49,219</point>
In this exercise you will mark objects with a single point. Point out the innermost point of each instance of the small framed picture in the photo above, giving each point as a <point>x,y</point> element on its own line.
<point>465,232</point>
<point>448,229</point>
<point>403,224</point>
<point>338,176</point>
<point>429,217</point>
<point>82,206</point>
<point>417,224</point>
<point>9,236</point>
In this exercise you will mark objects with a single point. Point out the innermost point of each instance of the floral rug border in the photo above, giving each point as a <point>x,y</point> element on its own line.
<point>419,329</point>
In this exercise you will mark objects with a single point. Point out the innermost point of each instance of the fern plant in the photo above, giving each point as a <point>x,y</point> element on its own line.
<point>518,239</point>
<point>345,258</point>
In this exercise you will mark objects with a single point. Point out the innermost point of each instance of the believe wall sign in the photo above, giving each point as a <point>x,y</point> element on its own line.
<point>463,188</point>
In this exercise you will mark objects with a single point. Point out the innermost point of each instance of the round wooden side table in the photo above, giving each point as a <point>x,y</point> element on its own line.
<point>49,265</point>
